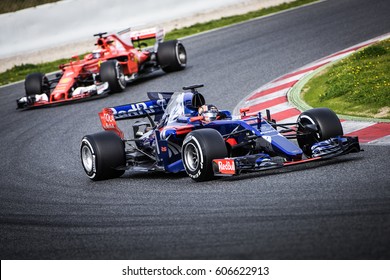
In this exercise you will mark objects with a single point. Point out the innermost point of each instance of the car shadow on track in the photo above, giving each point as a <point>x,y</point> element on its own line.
<point>155,175</point>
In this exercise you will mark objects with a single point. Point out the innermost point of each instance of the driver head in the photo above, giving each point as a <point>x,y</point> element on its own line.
<point>209,112</point>
<point>96,54</point>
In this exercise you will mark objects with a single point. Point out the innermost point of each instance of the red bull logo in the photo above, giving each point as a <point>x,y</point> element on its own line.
<point>225,166</point>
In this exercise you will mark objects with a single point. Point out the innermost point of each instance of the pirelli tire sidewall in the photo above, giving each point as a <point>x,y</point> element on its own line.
<point>107,153</point>
<point>205,145</point>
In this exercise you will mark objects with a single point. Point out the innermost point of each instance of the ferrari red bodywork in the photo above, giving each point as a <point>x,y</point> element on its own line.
<point>108,68</point>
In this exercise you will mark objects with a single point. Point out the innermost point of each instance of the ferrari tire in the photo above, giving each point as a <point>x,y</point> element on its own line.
<point>171,56</point>
<point>111,72</point>
<point>101,154</point>
<point>36,83</point>
<point>327,123</point>
<point>200,148</point>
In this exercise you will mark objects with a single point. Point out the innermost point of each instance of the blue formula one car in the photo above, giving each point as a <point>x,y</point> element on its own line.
<point>183,133</point>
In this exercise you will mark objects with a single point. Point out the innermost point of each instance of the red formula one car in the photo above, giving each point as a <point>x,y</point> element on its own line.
<point>114,63</point>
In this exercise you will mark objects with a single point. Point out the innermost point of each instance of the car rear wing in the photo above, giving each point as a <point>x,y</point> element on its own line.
<point>143,34</point>
<point>154,107</point>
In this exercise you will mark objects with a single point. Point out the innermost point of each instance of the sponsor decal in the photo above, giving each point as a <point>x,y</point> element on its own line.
<point>195,175</point>
<point>137,109</point>
<point>93,164</point>
<point>65,80</point>
<point>108,122</point>
<point>226,166</point>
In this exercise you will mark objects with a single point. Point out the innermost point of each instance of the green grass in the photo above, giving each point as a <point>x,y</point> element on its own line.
<point>358,85</point>
<point>8,6</point>
<point>19,72</point>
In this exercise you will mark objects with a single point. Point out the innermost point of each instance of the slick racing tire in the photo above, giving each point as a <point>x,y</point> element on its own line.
<point>171,56</point>
<point>327,123</point>
<point>101,153</point>
<point>36,83</point>
<point>111,71</point>
<point>199,149</point>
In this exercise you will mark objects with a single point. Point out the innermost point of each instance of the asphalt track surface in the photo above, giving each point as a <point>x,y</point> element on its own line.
<point>336,209</point>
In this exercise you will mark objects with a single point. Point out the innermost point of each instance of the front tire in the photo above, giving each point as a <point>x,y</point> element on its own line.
<point>111,71</point>
<point>101,153</point>
<point>326,122</point>
<point>172,56</point>
<point>36,84</point>
<point>199,149</point>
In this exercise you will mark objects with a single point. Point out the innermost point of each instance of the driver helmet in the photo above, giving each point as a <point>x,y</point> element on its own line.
<point>209,112</point>
<point>96,54</point>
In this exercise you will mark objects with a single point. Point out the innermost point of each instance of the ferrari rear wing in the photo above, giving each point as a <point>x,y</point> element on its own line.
<point>143,34</point>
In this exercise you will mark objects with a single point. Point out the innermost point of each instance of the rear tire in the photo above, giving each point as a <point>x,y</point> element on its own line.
<point>199,149</point>
<point>101,153</point>
<point>327,123</point>
<point>171,56</point>
<point>37,83</point>
<point>111,71</point>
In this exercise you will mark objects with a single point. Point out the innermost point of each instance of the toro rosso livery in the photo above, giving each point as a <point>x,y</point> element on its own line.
<point>183,133</point>
<point>113,63</point>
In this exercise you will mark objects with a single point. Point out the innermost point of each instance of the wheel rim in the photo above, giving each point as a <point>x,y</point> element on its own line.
<point>87,158</point>
<point>181,54</point>
<point>191,155</point>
